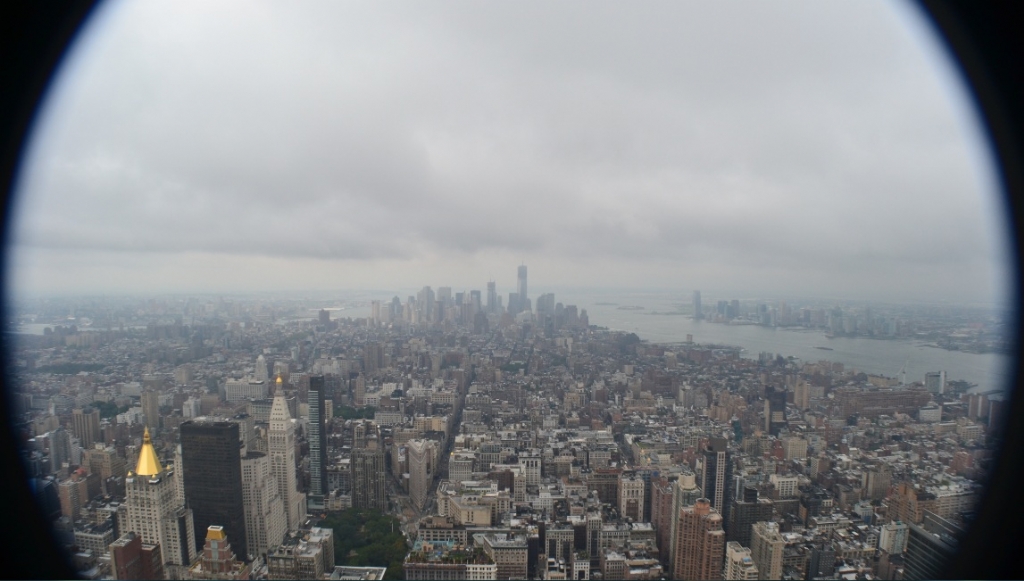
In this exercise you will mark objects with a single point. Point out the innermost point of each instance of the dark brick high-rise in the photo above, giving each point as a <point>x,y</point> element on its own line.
<point>212,472</point>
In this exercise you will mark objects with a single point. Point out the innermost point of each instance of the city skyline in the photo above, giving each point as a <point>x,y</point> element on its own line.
<point>507,444</point>
<point>851,166</point>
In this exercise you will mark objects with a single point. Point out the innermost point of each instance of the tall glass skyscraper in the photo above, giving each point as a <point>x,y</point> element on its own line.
<point>317,441</point>
<point>492,297</point>
<point>212,465</point>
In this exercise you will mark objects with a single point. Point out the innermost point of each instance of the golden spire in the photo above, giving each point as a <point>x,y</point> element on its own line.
<point>148,464</point>
<point>279,380</point>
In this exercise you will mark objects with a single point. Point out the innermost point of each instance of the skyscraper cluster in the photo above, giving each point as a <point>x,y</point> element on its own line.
<point>519,442</point>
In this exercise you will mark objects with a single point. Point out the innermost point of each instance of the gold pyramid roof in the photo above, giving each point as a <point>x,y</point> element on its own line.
<point>148,464</point>
<point>216,533</point>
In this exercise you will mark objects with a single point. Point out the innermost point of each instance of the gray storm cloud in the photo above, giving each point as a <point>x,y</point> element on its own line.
<point>825,140</point>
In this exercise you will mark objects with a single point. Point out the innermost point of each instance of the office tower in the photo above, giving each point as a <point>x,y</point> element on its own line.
<point>475,302</point>
<point>739,566</point>
<point>130,558</point>
<point>443,301</point>
<point>661,512</point>
<point>802,395</point>
<point>375,312</point>
<point>60,449</point>
<point>744,512</point>
<point>700,542</point>
<point>369,485</point>
<point>104,462</point>
<point>262,373</point>
<point>373,357</point>
<point>421,455</point>
<point>218,561</point>
<point>212,462</point>
<point>935,382</point>
<point>685,492</point>
<point>265,523</point>
<point>766,548</point>
<point>930,547</point>
<point>546,304</point>
<point>85,424</point>
<point>359,391</point>
<point>151,409</point>
<point>521,285</point>
<point>716,476</point>
<point>774,410</point>
<point>698,313</point>
<point>317,442</point>
<point>425,304</point>
<point>281,446</point>
<point>73,494</point>
<point>492,297</point>
<point>153,509</point>
<point>514,307</point>
<point>395,309</point>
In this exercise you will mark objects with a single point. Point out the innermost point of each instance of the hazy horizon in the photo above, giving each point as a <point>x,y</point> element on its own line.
<point>385,293</point>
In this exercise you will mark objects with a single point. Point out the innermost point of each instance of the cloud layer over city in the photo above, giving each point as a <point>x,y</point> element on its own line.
<point>803,149</point>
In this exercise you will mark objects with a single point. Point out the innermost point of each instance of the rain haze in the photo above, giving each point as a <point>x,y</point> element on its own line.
<point>809,149</point>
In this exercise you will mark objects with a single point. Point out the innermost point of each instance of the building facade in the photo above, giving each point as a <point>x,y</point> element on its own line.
<point>265,522</point>
<point>766,548</point>
<point>212,466</point>
<point>422,454</point>
<point>700,542</point>
<point>716,475</point>
<point>153,511</point>
<point>281,445</point>
<point>739,565</point>
<point>317,441</point>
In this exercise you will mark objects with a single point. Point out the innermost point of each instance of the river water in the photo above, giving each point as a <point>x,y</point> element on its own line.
<point>989,371</point>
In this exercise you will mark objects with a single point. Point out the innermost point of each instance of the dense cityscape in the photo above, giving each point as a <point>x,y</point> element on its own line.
<point>475,435</point>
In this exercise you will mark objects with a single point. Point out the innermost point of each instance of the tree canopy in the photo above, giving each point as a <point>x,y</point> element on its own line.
<point>365,537</point>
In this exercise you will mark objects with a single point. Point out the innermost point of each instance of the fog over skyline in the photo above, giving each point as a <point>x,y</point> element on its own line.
<point>801,149</point>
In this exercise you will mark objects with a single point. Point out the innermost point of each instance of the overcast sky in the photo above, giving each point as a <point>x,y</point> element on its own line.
<point>801,148</point>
